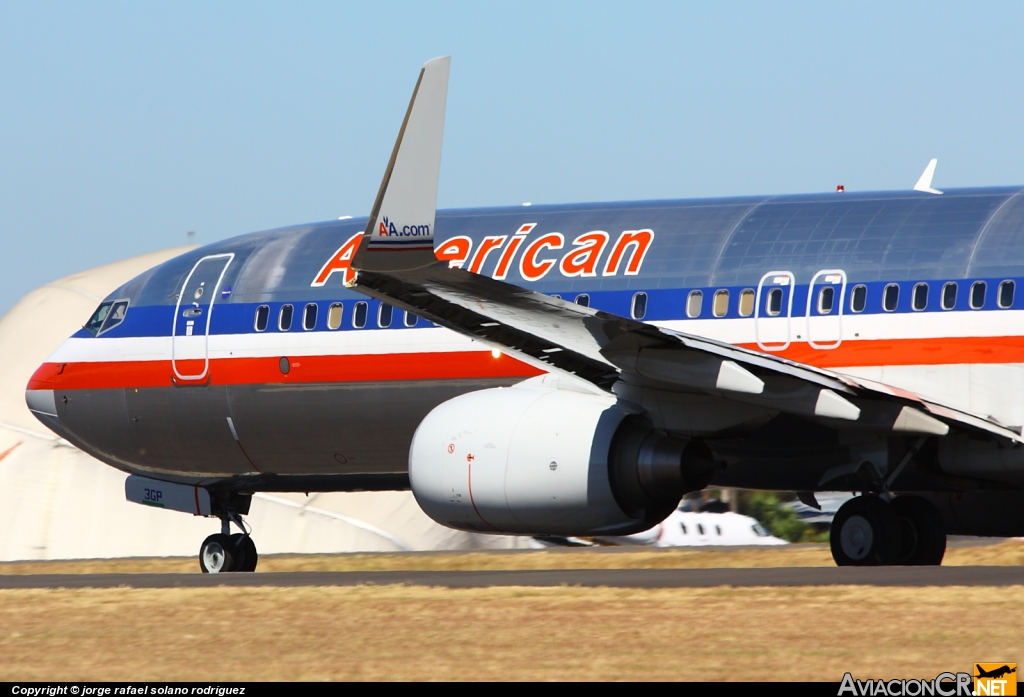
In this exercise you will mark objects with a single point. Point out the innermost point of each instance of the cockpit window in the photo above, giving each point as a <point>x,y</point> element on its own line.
<point>107,316</point>
<point>116,315</point>
<point>98,317</point>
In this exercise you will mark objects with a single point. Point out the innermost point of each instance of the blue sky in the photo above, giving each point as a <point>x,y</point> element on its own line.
<point>125,125</point>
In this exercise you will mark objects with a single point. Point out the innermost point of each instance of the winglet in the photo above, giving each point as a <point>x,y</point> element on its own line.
<point>400,231</point>
<point>925,182</point>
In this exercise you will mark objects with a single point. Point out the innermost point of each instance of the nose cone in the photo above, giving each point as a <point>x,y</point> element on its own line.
<point>40,398</point>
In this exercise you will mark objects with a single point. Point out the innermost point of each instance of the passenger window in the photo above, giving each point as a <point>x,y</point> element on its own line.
<point>359,316</point>
<point>1006,294</point>
<point>700,529</point>
<point>891,297</point>
<point>639,308</point>
<point>774,303</point>
<point>115,316</point>
<point>720,303</point>
<point>718,529</point>
<point>410,319</point>
<point>683,527</point>
<point>384,315</point>
<point>97,319</point>
<point>859,299</point>
<point>920,297</point>
<point>949,296</point>
<point>826,298</point>
<point>309,317</point>
<point>582,299</point>
<point>693,302</point>
<point>334,315</point>
<point>978,295</point>
<point>746,307</point>
<point>262,318</point>
<point>284,320</point>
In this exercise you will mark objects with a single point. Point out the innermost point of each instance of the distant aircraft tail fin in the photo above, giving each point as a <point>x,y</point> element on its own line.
<point>400,231</point>
<point>925,182</point>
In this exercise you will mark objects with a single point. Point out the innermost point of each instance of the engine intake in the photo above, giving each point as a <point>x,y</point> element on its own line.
<point>535,460</point>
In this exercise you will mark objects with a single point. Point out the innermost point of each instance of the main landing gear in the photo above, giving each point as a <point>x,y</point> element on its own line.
<point>870,531</point>
<point>225,552</point>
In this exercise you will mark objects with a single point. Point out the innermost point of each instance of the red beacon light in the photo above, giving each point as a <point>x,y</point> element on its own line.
<point>840,189</point>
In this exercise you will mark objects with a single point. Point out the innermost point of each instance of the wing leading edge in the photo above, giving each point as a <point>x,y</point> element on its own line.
<point>395,264</point>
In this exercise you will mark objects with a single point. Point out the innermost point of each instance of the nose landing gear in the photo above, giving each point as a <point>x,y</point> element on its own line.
<point>870,531</point>
<point>224,552</point>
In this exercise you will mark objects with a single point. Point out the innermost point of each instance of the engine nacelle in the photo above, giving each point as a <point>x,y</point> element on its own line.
<point>534,460</point>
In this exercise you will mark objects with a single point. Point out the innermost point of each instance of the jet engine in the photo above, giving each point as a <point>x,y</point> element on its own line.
<point>534,460</point>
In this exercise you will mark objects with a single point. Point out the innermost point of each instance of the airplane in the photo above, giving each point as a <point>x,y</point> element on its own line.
<point>995,673</point>
<point>574,370</point>
<point>697,529</point>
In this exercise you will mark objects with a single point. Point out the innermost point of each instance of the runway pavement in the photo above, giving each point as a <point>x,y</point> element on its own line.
<point>620,578</point>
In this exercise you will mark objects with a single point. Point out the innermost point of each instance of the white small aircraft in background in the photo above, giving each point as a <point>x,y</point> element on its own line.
<point>690,528</point>
<point>682,528</point>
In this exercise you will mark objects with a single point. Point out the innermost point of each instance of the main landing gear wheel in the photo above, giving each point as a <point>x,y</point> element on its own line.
<point>923,539</point>
<point>865,532</point>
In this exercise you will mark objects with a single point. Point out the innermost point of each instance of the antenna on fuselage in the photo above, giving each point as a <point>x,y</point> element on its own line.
<point>925,182</point>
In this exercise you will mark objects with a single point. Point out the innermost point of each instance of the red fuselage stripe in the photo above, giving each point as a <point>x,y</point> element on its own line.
<point>302,369</point>
<point>940,351</point>
<point>480,364</point>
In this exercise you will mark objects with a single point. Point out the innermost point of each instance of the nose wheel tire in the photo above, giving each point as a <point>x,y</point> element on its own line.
<point>227,553</point>
<point>245,552</point>
<point>923,541</point>
<point>216,555</point>
<point>865,532</point>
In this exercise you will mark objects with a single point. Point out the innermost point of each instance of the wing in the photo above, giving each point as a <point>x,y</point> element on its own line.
<point>393,265</point>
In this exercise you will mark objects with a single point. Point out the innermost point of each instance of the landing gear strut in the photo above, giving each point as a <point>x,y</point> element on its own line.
<point>224,552</point>
<point>870,531</point>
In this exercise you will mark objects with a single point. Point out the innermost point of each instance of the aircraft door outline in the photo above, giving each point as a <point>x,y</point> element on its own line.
<point>199,297</point>
<point>826,326</point>
<point>772,328</point>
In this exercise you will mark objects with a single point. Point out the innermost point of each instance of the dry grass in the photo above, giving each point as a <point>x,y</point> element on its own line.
<point>555,559</point>
<point>1006,553</point>
<point>156,565</point>
<point>397,632</point>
